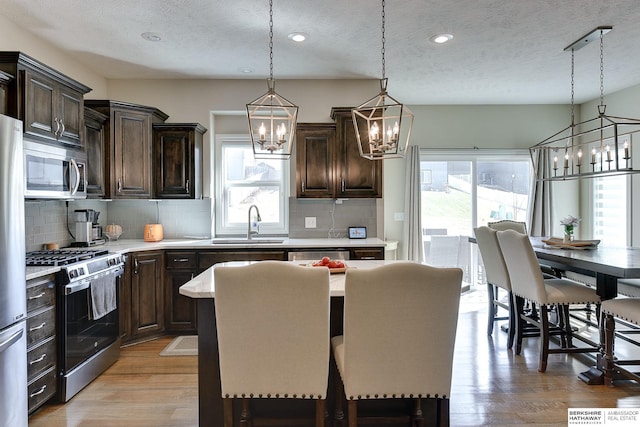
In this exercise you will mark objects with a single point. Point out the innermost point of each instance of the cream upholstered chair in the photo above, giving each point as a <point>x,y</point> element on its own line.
<point>399,334</point>
<point>508,224</point>
<point>273,334</point>
<point>527,282</point>
<point>625,309</point>
<point>497,278</point>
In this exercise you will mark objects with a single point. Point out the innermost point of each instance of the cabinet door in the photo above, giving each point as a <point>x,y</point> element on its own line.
<point>132,155</point>
<point>356,176</point>
<point>53,111</point>
<point>40,106</point>
<point>315,160</point>
<point>177,164</point>
<point>146,294</point>
<point>180,311</point>
<point>94,139</point>
<point>70,113</point>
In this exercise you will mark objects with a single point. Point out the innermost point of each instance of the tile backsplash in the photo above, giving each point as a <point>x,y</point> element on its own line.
<point>53,222</point>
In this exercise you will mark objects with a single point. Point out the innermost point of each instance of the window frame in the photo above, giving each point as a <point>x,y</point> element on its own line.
<point>226,228</point>
<point>474,155</point>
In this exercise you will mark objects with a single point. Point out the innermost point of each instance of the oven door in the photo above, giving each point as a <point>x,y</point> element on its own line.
<point>53,172</point>
<point>82,336</point>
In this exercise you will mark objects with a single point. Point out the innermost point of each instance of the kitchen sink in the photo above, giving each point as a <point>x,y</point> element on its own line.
<point>244,241</point>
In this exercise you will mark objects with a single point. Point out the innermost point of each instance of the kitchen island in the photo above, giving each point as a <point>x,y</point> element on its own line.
<point>202,288</point>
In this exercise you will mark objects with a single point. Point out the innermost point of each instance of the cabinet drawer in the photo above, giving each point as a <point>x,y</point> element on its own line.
<point>367,253</point>
<point>41,358</point>
<point>42,389</point>
<point>180,260</point>
<point>41,292</point>
<point>40,326</point>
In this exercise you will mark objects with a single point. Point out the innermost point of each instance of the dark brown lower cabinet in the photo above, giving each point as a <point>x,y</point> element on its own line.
<point>142,304</point>
<point>180,311</point>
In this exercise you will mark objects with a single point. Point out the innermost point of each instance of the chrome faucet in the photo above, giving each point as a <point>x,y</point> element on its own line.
<point>258,219</point>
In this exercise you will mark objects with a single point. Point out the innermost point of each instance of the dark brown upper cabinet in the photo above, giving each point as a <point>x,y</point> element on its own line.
<point>128,148</point>
<point>50,104</point>
<point>94,138</point>
<point>177,153</point>
<point>328,161</point>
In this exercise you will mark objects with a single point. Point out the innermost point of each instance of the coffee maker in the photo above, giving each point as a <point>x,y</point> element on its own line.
<point>88,231</point>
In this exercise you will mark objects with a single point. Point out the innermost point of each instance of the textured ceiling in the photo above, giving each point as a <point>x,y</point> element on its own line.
<point>504,51</point>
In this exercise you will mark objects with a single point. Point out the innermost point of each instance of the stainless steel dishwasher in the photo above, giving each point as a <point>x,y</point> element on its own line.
<point>315,254</point>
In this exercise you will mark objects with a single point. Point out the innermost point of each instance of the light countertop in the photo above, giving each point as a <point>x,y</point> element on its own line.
<point>203,286</point>
<point>125,246</point>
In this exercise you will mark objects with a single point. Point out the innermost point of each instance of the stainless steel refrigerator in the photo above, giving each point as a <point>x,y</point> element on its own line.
<point>13,299</point>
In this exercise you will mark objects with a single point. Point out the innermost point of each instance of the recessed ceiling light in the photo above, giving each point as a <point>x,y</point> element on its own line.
<point>245,70</point>
<point>298,37</point>
<point>152,37</point>
<point>441,38</point>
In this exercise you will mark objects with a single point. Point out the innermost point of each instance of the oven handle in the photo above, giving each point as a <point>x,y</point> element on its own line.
<point>84,284</point>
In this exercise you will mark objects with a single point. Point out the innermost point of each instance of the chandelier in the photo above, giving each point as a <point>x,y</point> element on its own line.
<point>272,119</point>
<point>382,124</point>
<point>593,148</point>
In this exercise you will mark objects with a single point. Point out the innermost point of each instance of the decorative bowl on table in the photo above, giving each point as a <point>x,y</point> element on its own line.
<point>112,231</point>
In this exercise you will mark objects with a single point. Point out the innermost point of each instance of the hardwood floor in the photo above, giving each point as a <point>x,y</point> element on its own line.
<point>491,385</point>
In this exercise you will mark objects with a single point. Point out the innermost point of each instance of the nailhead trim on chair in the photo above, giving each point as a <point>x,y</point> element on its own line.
<point>402,396</point>
<point>573,302</point>
<point>635,321</point>
<point>268,395</point>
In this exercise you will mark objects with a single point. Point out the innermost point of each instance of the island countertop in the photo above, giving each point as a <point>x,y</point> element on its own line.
<point>203,285</point>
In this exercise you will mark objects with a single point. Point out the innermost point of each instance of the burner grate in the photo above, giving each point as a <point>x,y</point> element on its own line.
<point>58,257</point>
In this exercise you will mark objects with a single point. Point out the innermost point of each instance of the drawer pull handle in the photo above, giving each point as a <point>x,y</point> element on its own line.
<point>38,360</point>
<point>35,328</point>
<point>181,260</point>
<point>367,257</point>
<point>35,393</point>
<point>40,295</point>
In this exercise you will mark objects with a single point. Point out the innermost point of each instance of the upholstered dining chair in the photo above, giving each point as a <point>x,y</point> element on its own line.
<point>398,338</point>
<point>273,335</point>
<point>497,278</point>
<point>527,282</point>
<point>628,310</point>
<point>508,224</point>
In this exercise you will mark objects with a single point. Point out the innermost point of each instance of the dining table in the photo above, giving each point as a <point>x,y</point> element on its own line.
<point>210,413</point>
<point>607,263</point>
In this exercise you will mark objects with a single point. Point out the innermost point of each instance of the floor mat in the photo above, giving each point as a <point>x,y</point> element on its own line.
<point>182,346</point>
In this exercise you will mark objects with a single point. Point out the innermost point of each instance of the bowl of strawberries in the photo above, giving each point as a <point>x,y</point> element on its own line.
<point>334,265</point>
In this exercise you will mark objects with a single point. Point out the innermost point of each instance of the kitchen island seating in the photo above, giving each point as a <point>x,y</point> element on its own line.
<point>627,310</point>
<point>398,337</point>
<point>273,335</point>
<point>497,278</point>
<point>527,282</point>
<point>508,224</point>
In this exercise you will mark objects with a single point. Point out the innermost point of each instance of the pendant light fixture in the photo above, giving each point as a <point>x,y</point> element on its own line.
<point>272,119</point>
<point>382,124</point>
<point>593,148</point>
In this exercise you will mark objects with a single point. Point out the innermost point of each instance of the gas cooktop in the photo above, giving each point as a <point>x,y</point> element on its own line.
<point>64,256</point>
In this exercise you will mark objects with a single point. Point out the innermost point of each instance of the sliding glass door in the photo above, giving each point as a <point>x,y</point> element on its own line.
<point>463,189</point>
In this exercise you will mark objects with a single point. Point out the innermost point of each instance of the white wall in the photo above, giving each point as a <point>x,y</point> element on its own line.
<point>14,38</point>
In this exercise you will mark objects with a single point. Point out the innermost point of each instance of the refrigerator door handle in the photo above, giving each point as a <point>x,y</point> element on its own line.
<point>10,341</point>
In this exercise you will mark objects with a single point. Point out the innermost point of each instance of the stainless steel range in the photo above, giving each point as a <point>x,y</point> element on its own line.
<point>87,313</point>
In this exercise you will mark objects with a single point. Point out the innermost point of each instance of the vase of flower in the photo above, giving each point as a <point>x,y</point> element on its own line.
<point>568,233</point>
<point>569,223</point>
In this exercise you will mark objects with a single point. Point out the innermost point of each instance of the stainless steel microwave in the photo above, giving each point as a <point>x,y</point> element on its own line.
<point>53,172</point>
